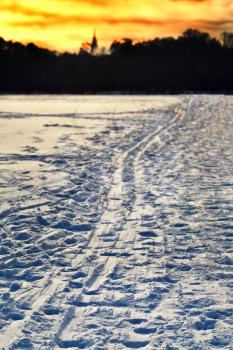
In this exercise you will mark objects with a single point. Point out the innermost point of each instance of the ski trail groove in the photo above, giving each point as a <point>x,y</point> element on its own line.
<point>56,279</point>
<point>106,264</point>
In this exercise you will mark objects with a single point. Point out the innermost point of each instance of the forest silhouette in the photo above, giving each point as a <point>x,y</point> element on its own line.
<point>194,62</point>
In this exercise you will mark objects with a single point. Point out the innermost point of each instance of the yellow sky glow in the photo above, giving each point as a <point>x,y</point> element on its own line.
<point>65,24</point>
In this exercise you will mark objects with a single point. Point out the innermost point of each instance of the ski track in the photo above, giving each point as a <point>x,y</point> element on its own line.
<point>123,241</point>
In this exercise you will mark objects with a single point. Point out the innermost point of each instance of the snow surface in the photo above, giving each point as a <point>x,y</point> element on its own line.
<point>116,222</point>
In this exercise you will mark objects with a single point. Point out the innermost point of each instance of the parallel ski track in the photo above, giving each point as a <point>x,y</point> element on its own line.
<point>106,264</point>
<point>55,282</point>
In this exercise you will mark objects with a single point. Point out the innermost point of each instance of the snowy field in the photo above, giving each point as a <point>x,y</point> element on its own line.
<point>116,222</point>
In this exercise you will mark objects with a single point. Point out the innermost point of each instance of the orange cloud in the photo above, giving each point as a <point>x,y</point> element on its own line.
<point>64,24</point>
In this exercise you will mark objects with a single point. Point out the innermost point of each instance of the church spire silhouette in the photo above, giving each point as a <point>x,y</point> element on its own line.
<point>94,43</point>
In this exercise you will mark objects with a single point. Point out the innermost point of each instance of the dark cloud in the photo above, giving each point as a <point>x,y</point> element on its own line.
<point>34,17</point>
<point>48,20</point>
<point>58,20</point>
<point>14,8</point>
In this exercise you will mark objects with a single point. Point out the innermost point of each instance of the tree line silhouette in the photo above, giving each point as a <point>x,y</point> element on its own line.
<point>194,62</point>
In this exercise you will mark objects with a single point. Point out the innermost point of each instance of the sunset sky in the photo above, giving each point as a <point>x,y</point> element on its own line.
<point>65,24</point>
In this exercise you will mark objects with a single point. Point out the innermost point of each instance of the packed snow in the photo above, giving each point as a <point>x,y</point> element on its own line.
<point>116,222</point>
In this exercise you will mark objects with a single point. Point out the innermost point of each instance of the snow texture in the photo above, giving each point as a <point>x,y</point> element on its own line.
<point>116,222</point>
